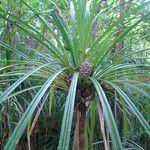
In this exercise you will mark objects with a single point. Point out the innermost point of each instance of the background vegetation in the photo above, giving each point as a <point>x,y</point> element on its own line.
<point>74,74</point>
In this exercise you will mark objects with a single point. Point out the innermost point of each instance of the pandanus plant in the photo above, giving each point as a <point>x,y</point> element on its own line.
<point>80,60</point>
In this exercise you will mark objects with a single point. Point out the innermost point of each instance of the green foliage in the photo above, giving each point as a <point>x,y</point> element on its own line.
<point>40,40</point>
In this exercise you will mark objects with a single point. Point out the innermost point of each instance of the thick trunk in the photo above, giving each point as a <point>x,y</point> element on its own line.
<point>82,112</point>
<point>79,140</point>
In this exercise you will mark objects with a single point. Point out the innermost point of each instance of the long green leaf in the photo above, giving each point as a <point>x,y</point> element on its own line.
<point>114,68</point>
<point>64,35</point>
<point>27,28</point>
<point>107,48</point>
<point>13,50</point>
<point>108,116</point>
<point>133,108</point>
<point>4,95</point>
<point>17,133</point>
<point>135,11</point>
<point>68,115</point>
<point>22,91</point>
<point>45,22</point>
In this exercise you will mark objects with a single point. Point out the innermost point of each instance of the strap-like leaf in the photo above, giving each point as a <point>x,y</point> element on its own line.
<point>68,115</point>
<point>64,35</point>
<point>13,50</point>
<point>106,49</point>
<point>18,82</point>
<point>108,116</point>
<point>30,30</point>
<point>45,22</point>
<point>10,145</point>
<point>133,108</point>
<point>24,90</point>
